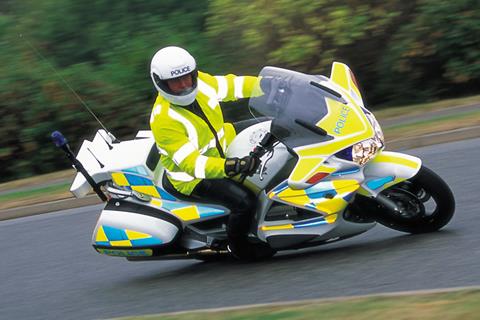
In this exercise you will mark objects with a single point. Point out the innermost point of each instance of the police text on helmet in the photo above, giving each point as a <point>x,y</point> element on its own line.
<point>180,71</point>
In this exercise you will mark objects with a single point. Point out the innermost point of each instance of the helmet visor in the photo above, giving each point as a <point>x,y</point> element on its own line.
<point>179,86</point>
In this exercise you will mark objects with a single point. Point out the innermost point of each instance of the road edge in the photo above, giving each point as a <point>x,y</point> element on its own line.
<point>314,301</point>
<point>48,207</point>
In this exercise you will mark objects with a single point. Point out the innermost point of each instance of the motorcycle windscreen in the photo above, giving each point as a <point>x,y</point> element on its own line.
<point>294,103</point>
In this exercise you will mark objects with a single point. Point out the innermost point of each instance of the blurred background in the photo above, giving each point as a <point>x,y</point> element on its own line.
<point>401,52</point>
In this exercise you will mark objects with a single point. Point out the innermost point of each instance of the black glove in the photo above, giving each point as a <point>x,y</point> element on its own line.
<point>247,165</point>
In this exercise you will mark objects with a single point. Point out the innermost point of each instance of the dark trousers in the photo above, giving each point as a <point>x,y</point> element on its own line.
<point>234,196</point>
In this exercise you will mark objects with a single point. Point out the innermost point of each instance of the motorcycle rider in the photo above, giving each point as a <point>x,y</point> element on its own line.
<point>192,137</point>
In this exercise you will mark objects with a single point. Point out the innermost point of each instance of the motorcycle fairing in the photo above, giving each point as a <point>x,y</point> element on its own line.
<point>387,169</point>
<point>307,167</point>
<point>347,124</point>
<point>343,117</point>
<point>327,197</point>
<point>298,102</point>
<point>322,228</point>
<point>344,77</point>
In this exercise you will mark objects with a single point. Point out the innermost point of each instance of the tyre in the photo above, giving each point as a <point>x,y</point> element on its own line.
<point>425,201</point>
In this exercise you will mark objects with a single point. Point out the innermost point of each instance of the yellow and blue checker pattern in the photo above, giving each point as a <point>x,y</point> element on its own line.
<point>134,181</point>
<point>114,237</point>
<point>328,197</point>
<point>187,211</point>
<point>311,223</point>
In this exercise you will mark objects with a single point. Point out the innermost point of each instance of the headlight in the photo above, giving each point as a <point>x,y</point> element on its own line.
<point>361,152</point>
<point>364,151</point>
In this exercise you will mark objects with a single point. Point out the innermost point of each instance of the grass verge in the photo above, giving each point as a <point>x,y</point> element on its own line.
<point>61,187</point>
<point>440,124</point>
<point>412,110</point>
<point>38,181</point>
<point>446,306</point>
<point>39,194</point>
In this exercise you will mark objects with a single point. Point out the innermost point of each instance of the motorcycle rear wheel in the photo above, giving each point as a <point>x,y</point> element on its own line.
<point>426,201</point>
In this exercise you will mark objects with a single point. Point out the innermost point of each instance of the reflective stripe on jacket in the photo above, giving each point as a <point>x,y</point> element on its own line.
<point>185,141</point>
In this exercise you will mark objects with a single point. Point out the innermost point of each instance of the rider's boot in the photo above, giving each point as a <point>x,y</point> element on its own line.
<point>239,245</point>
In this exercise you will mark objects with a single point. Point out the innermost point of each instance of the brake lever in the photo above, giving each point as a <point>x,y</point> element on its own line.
<point>258,152</point>
<point>264,164</point>
<point>266,145</point>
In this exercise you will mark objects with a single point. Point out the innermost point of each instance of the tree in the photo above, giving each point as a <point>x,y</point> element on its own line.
<point>102,49</point>
<point>437,54</point>
<point>303,35</point>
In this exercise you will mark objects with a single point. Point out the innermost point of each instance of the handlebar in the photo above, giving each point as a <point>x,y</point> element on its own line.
<point>264,146</point>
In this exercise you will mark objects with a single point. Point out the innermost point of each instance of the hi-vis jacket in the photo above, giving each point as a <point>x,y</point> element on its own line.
<point>185,141</point>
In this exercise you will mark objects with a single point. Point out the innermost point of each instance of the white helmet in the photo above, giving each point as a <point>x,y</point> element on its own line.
<point>170,63</point>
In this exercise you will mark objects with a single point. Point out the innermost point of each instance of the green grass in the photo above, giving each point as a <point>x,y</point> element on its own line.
<point>446,306</point>
<point>35,192</point>
<point>438,124</point>
<point>449,118</point>
<point>393,112</point>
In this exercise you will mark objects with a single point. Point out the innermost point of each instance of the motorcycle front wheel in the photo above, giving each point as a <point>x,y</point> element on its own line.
<point>425,201</point>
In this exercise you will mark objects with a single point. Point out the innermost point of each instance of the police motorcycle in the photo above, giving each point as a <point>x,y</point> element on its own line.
<point>324,176</point>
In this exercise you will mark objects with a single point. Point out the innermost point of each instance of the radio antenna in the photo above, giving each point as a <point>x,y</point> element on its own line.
<point>45,60</point>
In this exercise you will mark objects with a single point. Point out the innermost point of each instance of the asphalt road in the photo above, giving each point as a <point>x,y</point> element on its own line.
<point>48,269</point>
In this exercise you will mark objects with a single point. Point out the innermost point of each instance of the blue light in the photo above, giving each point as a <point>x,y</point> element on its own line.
<point>59,139</point>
